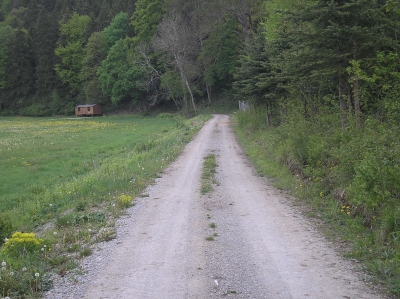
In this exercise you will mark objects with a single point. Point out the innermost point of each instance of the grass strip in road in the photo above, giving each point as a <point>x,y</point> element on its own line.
<point>208,175</point>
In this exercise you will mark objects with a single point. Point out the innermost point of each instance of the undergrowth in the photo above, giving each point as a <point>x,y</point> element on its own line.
<point>349,179</point>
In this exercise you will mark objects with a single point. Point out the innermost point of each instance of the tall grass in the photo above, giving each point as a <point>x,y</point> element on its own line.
<point>350,179</point>
<point>67,180</point>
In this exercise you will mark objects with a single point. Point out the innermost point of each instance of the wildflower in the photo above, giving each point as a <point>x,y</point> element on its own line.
<point>348,213</point>
<point>3,264</point>
<point>11,273</point>
<point>37,274</point>
<point>24,269</point>
<point>55,233</point>
<point>3,268</point>
<point>42,249</point>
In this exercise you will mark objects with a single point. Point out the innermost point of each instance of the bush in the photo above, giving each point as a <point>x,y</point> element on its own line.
<point>21,244</point>
<point>124,201</point>
<point>252,119</point>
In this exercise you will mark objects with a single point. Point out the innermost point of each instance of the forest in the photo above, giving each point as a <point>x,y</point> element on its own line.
<point>139,54</point>
<point>322,78</point>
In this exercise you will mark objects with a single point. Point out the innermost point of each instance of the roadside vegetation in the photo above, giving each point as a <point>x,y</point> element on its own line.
<point>349,179</point>
<point>322,80</point>
<point>64,182</point>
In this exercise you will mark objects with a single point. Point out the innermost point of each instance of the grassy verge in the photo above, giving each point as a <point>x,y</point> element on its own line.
<point>346,180</point>
<point>66,181</point>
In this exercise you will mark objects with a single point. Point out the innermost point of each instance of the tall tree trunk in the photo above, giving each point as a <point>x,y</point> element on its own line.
<point>267,116</point>
<point>208,88</point>
<point>191,96</point>
<point>244,21</point>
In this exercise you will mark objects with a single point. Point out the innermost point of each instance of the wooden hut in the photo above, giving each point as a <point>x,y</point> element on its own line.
<point>88,110</point>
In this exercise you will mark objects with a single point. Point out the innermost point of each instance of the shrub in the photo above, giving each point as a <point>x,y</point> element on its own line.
<point>21,244</point>
<point>252,119</point>
<point>124,201</point>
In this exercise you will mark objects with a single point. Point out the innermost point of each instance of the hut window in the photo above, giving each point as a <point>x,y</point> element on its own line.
<point>88,108</point>
<point>79,109</point>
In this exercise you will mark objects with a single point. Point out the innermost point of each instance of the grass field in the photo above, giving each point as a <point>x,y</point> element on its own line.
<point>66,179</point>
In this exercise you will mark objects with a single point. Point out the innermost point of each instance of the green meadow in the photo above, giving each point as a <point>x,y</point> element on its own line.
<point>67,179</point>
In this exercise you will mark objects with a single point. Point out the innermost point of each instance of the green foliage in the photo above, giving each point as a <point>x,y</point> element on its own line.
<point>380,85</point>
<point>96,52</point>
<point>253,77</point>
<point>6,34</point>
<point>172,84</point>
<point>22,244</point>
<point>252,119</point>
<point>71,51</point>
<point>349,179</point>
<point>119,77</point>
<point>147,16</point>
<point>125,201</point>
<point>118,29</point>
<point>5,7</point>
<point>219,54</point>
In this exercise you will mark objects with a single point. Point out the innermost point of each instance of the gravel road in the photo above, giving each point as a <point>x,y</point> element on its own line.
<point>262,247</point>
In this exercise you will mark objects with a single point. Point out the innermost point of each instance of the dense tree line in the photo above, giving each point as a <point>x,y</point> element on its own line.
<point>55,54</point>
<point>314,51</point>
<point>273,53</point>
<point>38,38</point>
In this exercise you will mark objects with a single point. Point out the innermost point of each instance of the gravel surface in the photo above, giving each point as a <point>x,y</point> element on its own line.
<point>262,247</point>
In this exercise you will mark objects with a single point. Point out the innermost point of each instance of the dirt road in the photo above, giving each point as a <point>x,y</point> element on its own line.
<point>262,247</point>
